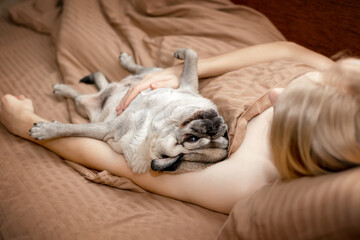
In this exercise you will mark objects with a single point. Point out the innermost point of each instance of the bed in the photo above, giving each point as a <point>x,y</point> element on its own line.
<point>44,42</point>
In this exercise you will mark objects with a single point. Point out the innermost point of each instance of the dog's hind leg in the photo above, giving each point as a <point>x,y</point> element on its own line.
<point>189,76</point>
<point>127,62</point>
<point>85,105</point>
<point>63,90</point>
<point>98,78</point>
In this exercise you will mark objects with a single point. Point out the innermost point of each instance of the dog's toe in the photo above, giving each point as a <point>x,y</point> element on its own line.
<point>180,53</point>
<point>124,58</point>
<point>42,130</point>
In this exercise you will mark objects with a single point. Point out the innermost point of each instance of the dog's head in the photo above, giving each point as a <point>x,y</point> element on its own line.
<point>199,140</point>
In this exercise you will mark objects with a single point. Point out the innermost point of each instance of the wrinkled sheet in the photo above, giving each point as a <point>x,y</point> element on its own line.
<point>41,197</point>
<point>54,41</point>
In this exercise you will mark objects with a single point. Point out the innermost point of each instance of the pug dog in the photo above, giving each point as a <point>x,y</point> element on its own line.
<point>169,130</point>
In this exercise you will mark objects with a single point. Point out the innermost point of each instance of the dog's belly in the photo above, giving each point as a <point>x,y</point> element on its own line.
<point>152,101</point>
<point>110,97</point>
<point>110,102</point>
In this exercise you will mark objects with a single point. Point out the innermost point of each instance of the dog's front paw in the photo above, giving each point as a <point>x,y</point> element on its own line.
<point>44,130</point>
<point>180,53</point>
<point>183,53</point>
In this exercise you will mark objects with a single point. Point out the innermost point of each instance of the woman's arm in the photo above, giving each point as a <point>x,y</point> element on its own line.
<point>218,65</point>
<point>217,187</point>
<point>268,52</point>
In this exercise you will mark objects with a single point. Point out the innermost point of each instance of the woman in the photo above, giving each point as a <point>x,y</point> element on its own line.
<point>219,186</point>
<point>316,124</point>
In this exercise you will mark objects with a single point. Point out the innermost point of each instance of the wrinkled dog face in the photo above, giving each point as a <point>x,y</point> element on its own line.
<point>203,141</point>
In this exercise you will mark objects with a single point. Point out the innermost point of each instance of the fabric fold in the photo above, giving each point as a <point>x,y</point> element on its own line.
<point>90,34</point>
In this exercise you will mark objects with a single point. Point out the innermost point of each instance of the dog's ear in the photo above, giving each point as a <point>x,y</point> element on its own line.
<point>206,155</point>
<point>163,163</point>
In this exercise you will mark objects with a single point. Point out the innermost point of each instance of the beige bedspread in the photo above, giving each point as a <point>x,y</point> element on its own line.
<point>55,41</point>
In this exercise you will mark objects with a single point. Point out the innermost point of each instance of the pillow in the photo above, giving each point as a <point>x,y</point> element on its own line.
<point>322,207</point>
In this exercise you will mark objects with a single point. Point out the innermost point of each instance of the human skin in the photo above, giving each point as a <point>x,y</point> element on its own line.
<point>214,187</point>
<point>217,187</point>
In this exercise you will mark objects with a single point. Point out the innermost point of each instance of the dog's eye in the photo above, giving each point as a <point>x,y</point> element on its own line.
<point>191,138</point>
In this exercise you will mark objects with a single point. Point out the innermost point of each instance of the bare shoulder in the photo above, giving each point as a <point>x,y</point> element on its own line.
<point>254,152</point>
<point>251,166</point>
<point>253,159</point>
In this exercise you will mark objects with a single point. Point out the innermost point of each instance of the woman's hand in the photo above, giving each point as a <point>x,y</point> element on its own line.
<point>167,78</point>
<point>16,114</point>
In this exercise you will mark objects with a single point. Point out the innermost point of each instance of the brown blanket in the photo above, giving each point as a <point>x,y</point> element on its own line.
<point>42,198</point>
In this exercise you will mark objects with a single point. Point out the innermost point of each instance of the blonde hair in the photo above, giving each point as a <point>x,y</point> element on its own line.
<point>316,125</point>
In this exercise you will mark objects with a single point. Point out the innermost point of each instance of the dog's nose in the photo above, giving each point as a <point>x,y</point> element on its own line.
<point>212,126</point>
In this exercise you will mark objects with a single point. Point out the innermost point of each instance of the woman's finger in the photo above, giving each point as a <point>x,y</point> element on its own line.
<point>135,88</point>
<point>131,95</point>
<point>167,83</point>
<point>162,79</point>
<point>21,97</point>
